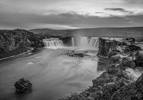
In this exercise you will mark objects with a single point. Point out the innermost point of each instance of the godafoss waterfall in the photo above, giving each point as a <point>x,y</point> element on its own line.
<point>85,42</point>
<point>94,68</point>
<point>53,43</point>
<point>55,72</point>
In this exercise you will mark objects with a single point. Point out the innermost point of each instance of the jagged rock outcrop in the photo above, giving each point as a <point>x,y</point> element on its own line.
<point>115,59</point>
<point>122,80</point>
<point>133,91</point>
<point>11,40</point>
<point>133,48</point>
<point>139,58</point>
<point>112,53</point>
<point>107,45</point>
<point>128,62</point>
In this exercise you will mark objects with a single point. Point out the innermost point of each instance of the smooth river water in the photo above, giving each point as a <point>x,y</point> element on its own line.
<point>52,74</point>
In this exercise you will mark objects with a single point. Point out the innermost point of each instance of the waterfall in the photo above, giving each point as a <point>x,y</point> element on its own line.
<point>85,42</point>
<point>73,41</point>
<point>53,43</point>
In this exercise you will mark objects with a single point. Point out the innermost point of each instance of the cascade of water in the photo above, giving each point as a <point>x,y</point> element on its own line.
<point>86,42</point>
<point>73,41</point>
<point>53,43</point>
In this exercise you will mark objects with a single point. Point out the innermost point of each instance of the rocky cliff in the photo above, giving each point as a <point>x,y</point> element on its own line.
<point>17,40</point>
<point>115,45</point>
<point>106,45</point>
<point>123,78</point>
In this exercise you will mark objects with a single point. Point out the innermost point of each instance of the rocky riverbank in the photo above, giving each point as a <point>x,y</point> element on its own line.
<point>123,78</point>
<point>13,42</point>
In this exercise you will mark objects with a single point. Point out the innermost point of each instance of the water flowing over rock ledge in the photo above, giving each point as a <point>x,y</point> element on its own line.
<point>123,78</point>
<point>121,81</point>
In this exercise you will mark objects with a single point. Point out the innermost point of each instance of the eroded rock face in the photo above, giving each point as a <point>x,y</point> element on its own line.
<point>133,91</point>
<point>112,53</point>
<point>121,79</point>
<point>23,86</point>
<point>128,62</point>
<point>139,59</point>
<point>103,47</point>
<point>106,46</point>
<point>133,48</point>
<point>11,40</point>
<point>130,40</point>
<point>116,59</point>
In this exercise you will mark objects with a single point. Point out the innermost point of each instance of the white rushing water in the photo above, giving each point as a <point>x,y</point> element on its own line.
<point>53,43</point>
<point>86,42</point>
<point>77,42</point>
<point>52,74</point>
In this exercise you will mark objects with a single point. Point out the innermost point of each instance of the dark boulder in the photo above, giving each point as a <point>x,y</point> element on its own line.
<point>139,59</point>
<point>76,54</point>
<point>128,62</point>
<point>131,40</point>
<point>23,86</point>
<point>133,48</point>
<point>112,53</point>
<point>116,59</point>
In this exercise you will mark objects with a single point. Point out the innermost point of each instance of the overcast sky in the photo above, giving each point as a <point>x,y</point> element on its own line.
<point>69,14</point>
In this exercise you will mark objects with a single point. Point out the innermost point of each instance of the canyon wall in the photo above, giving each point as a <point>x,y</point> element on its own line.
<point>123,78</point>
<point>16,41</point>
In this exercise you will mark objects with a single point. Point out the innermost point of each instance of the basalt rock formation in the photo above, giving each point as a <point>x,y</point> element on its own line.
<point>107,45</point>
<point>17,40</point>
<point>122,80</point>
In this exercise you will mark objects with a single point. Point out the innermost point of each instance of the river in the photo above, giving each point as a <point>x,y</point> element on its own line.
<point>52,74</point>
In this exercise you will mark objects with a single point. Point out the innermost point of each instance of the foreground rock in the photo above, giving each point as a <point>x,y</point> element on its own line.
<point>139,58</point>
<point>132,91</point>
<point>23,86</point>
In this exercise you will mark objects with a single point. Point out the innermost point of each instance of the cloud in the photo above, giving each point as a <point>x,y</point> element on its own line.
<point>116,9</point>
<point>119,10</point>
<point>70,13</point>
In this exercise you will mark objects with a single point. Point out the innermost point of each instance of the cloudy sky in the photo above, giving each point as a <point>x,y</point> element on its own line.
<point>69,14</point>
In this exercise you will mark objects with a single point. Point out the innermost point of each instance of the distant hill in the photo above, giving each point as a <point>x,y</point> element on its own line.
<point>100,32</point>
